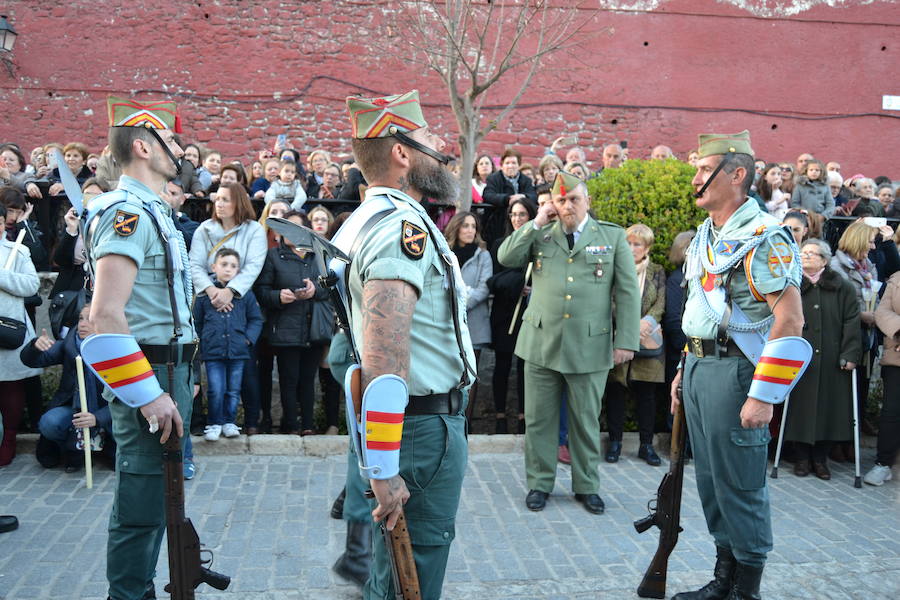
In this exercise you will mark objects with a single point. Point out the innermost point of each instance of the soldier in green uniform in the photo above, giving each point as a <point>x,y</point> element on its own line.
<point>742,316</point>
<point>130,237</point>
<point>583,276</point>
<point>408,321</point>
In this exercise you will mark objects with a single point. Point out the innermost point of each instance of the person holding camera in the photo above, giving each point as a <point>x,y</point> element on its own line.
<point>287,290</point>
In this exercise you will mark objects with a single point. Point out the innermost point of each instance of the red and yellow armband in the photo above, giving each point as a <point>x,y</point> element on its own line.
<point>118,361</point>
<point>782,363</point>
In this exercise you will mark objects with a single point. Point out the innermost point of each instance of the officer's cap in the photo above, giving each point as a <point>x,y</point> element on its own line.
<point>383,117</point>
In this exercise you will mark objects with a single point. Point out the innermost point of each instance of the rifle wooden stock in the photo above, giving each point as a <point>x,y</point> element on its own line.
<point>667,513</point>
<point>403,565</point>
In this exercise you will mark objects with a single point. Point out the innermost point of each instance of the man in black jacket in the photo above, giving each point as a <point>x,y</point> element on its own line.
<point>503,187</point>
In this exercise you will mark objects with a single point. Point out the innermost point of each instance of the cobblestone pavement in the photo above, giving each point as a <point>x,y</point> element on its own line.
<point>266,518</point>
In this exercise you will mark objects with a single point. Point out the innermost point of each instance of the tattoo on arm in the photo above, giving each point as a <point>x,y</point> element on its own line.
<point>388,307</point>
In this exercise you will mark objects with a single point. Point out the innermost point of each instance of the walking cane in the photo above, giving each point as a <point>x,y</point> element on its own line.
<point>784,411</point>
<point>857,482</point>
<point>85,431</point>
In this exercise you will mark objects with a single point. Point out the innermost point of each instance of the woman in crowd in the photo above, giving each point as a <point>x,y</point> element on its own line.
<point>579,170</point>
<point>276,208</point>
<point>811,192</point>
<point>18,211</point>
<point>482,169</point>
<point>866,203</point>
<point>819,412</point>
<point>68,255</point>
<point>787,178</point>
<point>509,289</point>
<point>549,166</point>
<point>331,182</point>
<point>852,262</point>
<point>287,288</point>
<point>642,374</point>
<point>254,171</point>
<point>671,324</point>
<point>464,238</point>
<point>887,317</point>
<point>769,188</point>
<point>192,153</point>
<point>798,222</point>
<point>232,173</point>
<point>261,184</point>
<point>315,164</point>
<point>504,187</point>
<point>13,173</point>
<point>889,205</point>
<point>17,283</point>
<point>321,220</point>
<point>75,155</point>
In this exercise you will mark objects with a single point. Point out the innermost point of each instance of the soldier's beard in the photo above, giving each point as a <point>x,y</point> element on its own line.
<point>432,179</point>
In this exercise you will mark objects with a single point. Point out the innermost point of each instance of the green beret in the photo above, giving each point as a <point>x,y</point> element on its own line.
<point>155,115</point>
<point>383,117</point>
<point>722,143</point>
<point>564,183</point>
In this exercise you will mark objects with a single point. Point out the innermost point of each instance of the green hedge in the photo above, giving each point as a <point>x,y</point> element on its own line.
<point>657,193</point>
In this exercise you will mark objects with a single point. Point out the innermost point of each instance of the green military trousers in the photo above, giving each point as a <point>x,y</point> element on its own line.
<point>433,459</point>
<point>138,518</point>
<point>543,393</point>
<point>730,461</point>
<point>356,506</point>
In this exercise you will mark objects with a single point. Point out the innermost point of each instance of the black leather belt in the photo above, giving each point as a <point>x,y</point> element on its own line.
<point>159,355</point>
<point>435,404</point>
<point>702,348</point>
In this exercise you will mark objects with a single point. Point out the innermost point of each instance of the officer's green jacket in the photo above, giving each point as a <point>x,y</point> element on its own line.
<point>584,302</point>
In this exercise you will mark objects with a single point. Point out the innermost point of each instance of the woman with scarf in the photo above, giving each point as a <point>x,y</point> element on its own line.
<point>819,410</point>
<point>463,234</point>
<point>642,374</point>
<point>852,262</point>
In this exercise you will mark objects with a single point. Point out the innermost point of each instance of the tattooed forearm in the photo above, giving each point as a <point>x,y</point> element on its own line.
<point>387,313</point>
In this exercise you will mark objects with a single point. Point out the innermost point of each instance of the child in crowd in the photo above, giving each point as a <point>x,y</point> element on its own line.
<point>811,190</point>
<point>225,341</point>
<point>61,425</point>
<point>287,187</point>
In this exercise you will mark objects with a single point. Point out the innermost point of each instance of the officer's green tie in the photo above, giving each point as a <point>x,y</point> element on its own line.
<point>570,238</point>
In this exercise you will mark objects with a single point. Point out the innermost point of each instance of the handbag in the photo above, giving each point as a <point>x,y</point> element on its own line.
<point>651,343</point>
<point>321,323</point>
<point>12,333</point>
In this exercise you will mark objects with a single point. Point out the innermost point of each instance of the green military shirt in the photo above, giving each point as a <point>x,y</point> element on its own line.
<point>751,238</point>
<point>399,247</point>
<point>126,228</point>
<point>568,325</point>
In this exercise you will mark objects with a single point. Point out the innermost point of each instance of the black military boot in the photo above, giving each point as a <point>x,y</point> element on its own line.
<point>746,583</point>
<point>354,563</point>
<point>337,507</point>
<point>720,586</point>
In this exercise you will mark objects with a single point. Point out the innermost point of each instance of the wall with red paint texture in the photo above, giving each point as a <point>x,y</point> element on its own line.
<point>800,75</point>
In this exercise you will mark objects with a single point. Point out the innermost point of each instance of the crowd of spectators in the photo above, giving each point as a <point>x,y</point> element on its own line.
<point>259,304</point>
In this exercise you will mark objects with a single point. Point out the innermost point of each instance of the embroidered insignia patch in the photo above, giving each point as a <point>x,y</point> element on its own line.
<point>125,223</point>
<point>727,247</point>
<point>597,250</point>
<point>412,240</point>
<point>780,258</point>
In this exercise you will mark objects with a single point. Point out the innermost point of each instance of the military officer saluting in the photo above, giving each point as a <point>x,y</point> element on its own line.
<point>133,247</point>
<point>579,268</point>
<point>743,318</point>
<point>407,317</point>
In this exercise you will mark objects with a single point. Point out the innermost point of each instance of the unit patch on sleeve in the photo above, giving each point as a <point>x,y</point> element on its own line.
<point>125,223</point>
<point>412,240</point>
<point>780,258</point>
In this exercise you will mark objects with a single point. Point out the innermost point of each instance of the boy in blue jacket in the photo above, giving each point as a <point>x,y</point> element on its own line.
<point>226,338</point>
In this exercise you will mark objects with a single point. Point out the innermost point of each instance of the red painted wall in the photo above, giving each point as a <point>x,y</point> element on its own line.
<point>245,71</point>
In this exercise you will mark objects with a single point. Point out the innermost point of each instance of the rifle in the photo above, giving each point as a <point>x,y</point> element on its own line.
<point>665,510</point>
<point>186,570</point>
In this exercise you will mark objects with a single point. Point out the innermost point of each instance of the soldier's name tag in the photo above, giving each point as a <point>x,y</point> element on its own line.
<point>597,250</point>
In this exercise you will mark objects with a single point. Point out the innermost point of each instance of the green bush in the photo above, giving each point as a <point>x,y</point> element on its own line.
<point>657,193</point>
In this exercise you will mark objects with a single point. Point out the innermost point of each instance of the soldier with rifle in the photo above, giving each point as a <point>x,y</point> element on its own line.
<point>142,352</point>
<point>407,317</point>
<point>743,318</point>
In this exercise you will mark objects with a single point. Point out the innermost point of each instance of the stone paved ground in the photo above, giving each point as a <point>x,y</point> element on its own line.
<point>266,519</point>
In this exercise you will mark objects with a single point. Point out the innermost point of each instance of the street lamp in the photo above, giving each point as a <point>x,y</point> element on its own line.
<point>7,41</point>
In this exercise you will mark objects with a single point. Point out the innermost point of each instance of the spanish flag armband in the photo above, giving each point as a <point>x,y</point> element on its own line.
<point>383,408</point>
<point>124,370</point>
<point>780,367</point>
